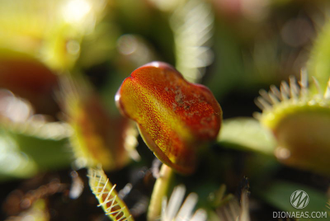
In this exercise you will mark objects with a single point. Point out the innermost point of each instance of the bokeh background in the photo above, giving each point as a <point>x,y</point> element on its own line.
<point>62,61</point>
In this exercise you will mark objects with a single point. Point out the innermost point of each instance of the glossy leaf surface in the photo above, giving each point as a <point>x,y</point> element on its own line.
<point>175,117</point>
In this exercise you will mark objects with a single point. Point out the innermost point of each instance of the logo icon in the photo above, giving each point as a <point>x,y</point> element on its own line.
<point>299,199</point>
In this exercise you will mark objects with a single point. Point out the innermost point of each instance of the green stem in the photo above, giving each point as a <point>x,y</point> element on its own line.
<point>160,189</point>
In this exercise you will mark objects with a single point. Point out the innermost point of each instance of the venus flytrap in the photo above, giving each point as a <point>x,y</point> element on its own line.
<point>177,208</point>
<point>28,78</point>
<point>107,196</point>
<point>175,117</point>
<point>95,131</point>
<point>300,121</point>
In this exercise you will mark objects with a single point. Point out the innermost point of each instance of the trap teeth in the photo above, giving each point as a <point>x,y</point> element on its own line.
<point>300,122</point>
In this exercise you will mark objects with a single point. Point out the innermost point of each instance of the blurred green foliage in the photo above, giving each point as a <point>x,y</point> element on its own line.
<point>235,48</point>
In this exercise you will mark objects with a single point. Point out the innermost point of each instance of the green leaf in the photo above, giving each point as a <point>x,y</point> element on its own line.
<point>28,150</point>
<point>14,163</point>
<point>246,134</point>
